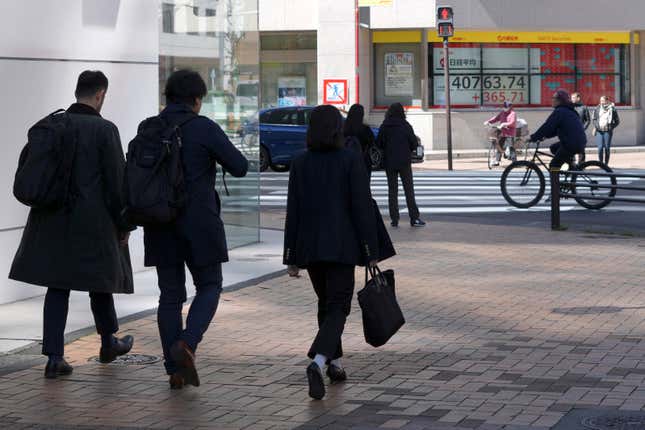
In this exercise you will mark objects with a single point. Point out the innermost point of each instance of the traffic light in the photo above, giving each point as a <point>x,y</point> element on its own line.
<point>445,27</point>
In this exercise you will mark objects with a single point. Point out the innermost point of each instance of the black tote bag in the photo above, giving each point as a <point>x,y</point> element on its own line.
<point>382,316</point>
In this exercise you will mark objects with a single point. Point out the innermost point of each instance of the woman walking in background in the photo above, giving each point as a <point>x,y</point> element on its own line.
<point>605,120</point>
<point>356,128</point>
<point>397,139</point>
<point>330,229</point>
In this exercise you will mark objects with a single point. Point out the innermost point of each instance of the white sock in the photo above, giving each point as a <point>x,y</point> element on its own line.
<point>337,363</point>
<point>320,360</point>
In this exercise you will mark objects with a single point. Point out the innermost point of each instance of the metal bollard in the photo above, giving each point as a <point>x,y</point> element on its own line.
<point>555,199</point>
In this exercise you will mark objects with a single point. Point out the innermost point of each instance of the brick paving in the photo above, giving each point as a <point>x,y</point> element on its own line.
<point>507,328</point>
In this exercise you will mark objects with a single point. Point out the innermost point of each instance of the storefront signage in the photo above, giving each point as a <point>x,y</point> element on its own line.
<point>335,92</point>
<point>365,3</point>
<point>465,36</point>
<point>292,91</point>
<point>399,74</point>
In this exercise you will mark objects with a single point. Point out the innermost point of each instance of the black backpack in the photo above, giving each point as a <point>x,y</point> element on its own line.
<point>44,176</point>
<point>154,176</point>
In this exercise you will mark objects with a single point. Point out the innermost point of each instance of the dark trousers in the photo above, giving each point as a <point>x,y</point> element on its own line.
<point>334,286</point>
<point>55,318</point>
<point>393,192</point>
<point>172,283</point>
<point>561,155</point>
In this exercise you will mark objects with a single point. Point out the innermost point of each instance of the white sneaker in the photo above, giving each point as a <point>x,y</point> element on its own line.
<point>507,152</point>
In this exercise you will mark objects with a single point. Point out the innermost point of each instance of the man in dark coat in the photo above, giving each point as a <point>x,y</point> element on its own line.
<point>197,237</point>
<point>564,123</point>
<point>397,139</point>
<point>585,117</point>
<point>82,247</point>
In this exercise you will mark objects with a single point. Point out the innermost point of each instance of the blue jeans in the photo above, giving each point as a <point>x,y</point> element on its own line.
<point>172,283</point>
<point>603,141</point>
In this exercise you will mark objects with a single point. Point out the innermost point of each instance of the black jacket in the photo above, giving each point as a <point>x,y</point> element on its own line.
<point>197,236</point>
<point>615,120</point>
<point>564,123</point>
<point>397,139</point>
<point>330,216</point>
<point>366,138</point>
<point>583,113</point>
<point>78,248</point>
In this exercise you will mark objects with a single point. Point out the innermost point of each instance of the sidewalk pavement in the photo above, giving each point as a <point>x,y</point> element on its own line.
<point>247,263</point>
<point>621,158</point>
<point>508,327</point>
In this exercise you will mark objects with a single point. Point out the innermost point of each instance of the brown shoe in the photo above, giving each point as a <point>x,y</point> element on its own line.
<point>176,381</point>
<point>184,357</point>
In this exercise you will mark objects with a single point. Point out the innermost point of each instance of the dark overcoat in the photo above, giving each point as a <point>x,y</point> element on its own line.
<point>330,213</point>
<point>77,248</point>
<point>197,236</point>
<point>397,140</point>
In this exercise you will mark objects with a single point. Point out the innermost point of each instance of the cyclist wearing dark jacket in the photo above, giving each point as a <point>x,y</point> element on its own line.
<point>564,123</point>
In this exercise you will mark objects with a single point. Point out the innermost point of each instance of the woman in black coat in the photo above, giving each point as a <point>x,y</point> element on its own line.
<point>354,127</point>
<point>397,140</point>
<point>329,230</point>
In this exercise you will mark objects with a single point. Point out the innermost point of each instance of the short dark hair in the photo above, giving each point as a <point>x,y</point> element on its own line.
<point>325,131</point>
<point>395,111</point>
<point>354,121</point>
<point>89,83</point>
<point>185,86</point>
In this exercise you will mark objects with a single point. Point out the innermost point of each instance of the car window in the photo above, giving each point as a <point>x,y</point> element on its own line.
<point>303,117</point>
<point>283,117</point>
<point>264,117</point>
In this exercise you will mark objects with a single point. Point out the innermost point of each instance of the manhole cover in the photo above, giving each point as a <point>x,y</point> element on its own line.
<point>615,422</point>
<point>132,360</point>
<point>588,310</point>
<point>601,419</point>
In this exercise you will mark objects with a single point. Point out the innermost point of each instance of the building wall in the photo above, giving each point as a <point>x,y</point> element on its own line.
<point>50,44</point>
<point>289,15</point>
<point>404,14</point>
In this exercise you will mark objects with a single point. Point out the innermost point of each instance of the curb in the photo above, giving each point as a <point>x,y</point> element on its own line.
<point>483,153</point>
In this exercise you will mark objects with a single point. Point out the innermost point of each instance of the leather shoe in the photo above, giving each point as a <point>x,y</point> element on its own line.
<point>394,223</point>
<point>316,383</point>
<point>336,374</point>
<point>176,381</point>
<point>417,223</point>
<point>56,368</point>
<point>119,347</point>
<point>184,358</point>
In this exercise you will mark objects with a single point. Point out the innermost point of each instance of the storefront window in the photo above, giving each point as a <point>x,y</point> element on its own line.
<point>219,39</point>
<point>528,74</point>
<point>397,74</point>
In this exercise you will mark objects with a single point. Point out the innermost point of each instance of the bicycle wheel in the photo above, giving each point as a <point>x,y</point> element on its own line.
<point>593,186</point>
<point>522,184</point>
<point>492,155</point>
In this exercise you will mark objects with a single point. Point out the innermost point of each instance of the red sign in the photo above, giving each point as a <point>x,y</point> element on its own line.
<point>335,92</point>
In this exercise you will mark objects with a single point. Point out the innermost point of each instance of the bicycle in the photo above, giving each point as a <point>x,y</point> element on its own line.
<point>512,146</point>
<point>523,183</point>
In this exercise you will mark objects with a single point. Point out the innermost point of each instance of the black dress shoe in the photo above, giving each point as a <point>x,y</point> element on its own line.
<point>56,368</point>
<point>316,383</point>
<point>394,223</point>
<point>336,374</point>
<point>120,347</point>
<point>417,223</point>
<point>184,358</point>
<point>176,381</point>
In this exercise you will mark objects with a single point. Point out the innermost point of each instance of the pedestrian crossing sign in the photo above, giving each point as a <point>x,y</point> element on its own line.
<point>335,92</point>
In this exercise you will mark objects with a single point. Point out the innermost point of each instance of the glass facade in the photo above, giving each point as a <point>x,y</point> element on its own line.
<point>527,74</point>
<point>220,40</point>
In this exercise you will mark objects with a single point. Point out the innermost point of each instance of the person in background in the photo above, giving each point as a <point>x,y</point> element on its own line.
<point>83,247</point>
<point>605,120</point>
<point>397,140</point>
<point>356,128</point>
<point>330,229</point>
<point>505,121</point>
<point>585,117</point>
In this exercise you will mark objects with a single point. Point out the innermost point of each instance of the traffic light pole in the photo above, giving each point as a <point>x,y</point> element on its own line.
<point>446,74</point>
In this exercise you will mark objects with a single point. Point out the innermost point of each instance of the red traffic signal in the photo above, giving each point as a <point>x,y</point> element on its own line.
<point>444,13</point>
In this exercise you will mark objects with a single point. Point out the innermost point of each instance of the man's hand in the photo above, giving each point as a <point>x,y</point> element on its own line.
<point>124,238</point>
<point>372,264</point>
<point>293,271</point>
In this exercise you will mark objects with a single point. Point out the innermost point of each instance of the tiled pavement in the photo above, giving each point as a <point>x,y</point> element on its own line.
<point>507,327</point>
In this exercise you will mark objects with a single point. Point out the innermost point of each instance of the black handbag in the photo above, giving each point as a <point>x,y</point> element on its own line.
<point>382,316</point>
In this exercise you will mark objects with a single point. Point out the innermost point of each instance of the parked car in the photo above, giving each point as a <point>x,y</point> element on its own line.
<point>283,133</point>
